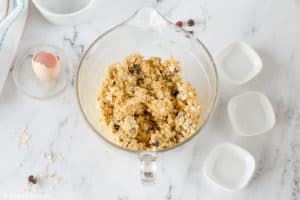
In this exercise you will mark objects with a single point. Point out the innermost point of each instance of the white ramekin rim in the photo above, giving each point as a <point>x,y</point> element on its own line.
<point>49,13</point>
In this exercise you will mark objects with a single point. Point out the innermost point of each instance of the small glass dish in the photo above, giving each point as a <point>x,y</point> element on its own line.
<point>239,63</point>
<point>251,113</point>
<point>28,82</point>
<point>229,166</point>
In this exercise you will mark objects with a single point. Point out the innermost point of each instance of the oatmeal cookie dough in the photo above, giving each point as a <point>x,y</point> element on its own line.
<point>147,105</point>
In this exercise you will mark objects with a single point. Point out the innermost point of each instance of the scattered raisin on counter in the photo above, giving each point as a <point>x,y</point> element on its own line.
<point>191,22</point>
<point>32,179</point>
<point>179,23</point>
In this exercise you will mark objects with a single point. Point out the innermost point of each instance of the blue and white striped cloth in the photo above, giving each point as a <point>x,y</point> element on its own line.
<point>11,29</point>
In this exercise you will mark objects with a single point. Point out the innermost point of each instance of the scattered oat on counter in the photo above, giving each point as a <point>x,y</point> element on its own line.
<point>34,182</point>
<point>45,175</point>
<point>24,139</point>
<point>147,105</point>
<point>44,179</point>
<point>31,187</point>
<point>53,157</point>
<point>57,180</point>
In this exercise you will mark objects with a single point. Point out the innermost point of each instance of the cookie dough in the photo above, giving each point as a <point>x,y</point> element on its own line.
<point>147,105</point>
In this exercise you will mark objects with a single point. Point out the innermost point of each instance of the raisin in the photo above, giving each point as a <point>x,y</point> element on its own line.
<point>175,93</point>
<point>137,69</point>
<point>179,23</point>
<point>156,143</point>
<point>116,127</point>
<point>139,81</point>
<point>131,70</point>
<point>32,179</point>
<point>191,22</point>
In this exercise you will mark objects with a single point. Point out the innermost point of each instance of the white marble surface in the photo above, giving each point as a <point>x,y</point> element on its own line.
<point>92,169</point>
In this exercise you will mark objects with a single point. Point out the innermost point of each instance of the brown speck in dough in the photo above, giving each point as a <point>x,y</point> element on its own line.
<point>116,126</point>
<point>136,68</point>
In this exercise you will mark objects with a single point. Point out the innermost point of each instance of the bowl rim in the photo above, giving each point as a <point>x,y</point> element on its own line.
<point>6,12</point>
<point>210,58</point>
<point>55,14</point>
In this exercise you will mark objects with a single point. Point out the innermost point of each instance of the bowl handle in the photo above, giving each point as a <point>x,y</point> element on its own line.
<point>148,167</point>
<point>148,17</point>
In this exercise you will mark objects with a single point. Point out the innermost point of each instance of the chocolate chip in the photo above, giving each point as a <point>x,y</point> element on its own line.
<point>131,70</point>
<point>32,179</point>
<point>192,32</point>
<point>139,81</point>
<point>155,144</point>
<point>137,69</point>
<point>116,126</point>
<point>179,23</point>
<point>169,79</point>
<point>146,113</point>
<point>175,93</point>
<point>191,22</point>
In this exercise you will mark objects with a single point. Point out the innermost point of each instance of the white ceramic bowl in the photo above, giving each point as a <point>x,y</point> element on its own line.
<point>229,167</point>
<point>251,113</point>
<point>239,63</point>
<point>66,12</point>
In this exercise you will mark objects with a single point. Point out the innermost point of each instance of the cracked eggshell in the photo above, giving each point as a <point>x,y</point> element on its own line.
<point>46,66</point>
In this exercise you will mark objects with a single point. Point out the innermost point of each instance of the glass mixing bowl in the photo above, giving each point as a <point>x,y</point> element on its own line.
<point>149,34</point>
